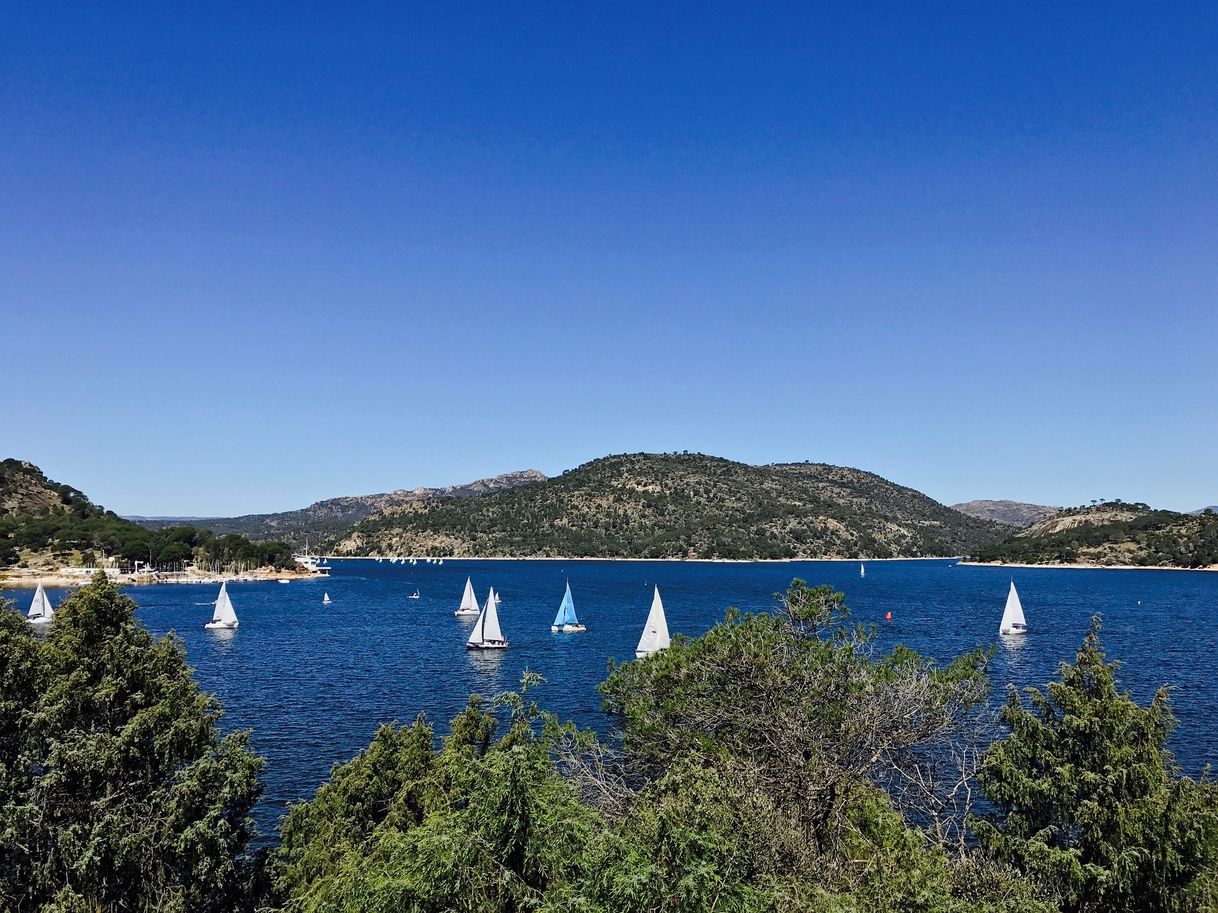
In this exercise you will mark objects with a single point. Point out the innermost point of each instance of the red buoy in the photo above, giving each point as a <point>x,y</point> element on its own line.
<point>888,616</point>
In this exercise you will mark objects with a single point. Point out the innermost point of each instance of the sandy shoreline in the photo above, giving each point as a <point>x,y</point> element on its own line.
<point>28,579</point>
<point>680,560</point>
<point>1091,567</point>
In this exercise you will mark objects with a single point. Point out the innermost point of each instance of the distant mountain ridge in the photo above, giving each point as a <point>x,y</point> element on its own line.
<point>1013,513</point>
<point>681,506</point>
<point>322,521</point>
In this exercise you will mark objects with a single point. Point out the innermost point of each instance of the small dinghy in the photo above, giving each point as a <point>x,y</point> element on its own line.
<point>224,618</point>
<point>469,602</point>
<point>655,632</point>
<point>414,595</point>
<point>565,621</point>
<point>1012,615</point>
<point>486,634</point>
<point>325,599</point>
<point>41,611</point>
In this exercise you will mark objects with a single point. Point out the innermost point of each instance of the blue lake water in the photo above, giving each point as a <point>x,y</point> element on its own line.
<point>313,681</point>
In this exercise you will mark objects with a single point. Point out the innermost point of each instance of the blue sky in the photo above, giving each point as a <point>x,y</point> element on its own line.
<point>253,257</point>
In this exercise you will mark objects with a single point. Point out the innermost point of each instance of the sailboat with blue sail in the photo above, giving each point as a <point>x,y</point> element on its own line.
<point>565,621</point>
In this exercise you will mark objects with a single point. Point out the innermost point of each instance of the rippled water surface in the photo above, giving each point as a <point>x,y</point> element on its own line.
<point>313,681</point>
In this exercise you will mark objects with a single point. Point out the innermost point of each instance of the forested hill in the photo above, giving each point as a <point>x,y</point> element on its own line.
<point>46,523</point>
<point>683,506</point>
<point>322,522</point>
<point>1114,533</point>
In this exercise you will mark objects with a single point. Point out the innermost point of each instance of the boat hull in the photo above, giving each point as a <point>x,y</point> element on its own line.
<point>567,629</point>
<point>40,620</point>
<point>488,645</point>
<point>221,626</point>
<point>468,613</point>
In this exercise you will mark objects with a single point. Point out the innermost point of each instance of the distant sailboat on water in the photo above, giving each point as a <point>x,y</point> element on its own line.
<point>414,595</point>
<point>862,569</point>
<point>655,632</point>
<point>225,617</point>
<point>325,599</point>
<point>486,634</point>
<point>469,602</point>
<point>1012,615</point>
<point>565,621</point>
<point>41,611</point>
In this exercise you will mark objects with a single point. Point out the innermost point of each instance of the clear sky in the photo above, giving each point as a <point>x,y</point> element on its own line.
<point>253,255</point>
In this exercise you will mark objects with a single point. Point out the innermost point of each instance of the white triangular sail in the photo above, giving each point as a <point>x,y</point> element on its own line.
<point>655,632</point>
<point>1012,615</point>
<point>40,609</point>
<point>490,624</point>
<point>486,628</point>
<point>469,602</point>
<point>224,614</point>
<point>325,599</point>
<point>862,570</point>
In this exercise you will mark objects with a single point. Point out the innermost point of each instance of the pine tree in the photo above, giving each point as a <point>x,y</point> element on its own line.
<point>121,794</point>
<point>1090,802</point>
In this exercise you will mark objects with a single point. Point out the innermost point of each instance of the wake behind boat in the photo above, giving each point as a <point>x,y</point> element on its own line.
<point>565,621</point>
<point>225,617</point>
<point>1012,615</point>
<point>486,634</point>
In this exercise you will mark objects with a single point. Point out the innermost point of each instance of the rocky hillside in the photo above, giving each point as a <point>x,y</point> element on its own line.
<point>321,523</point>
<point>26,491</point>
<point>681,506</point>
<point>1113,533</point>
<point>1019,514</point>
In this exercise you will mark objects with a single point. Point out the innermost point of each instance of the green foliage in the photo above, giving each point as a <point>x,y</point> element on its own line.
<point>685,506</point>
<point>118,794</point>
<point>482,825</point>
<point>795,706</point>
<point>1090,801</point>
<point>703,810</point>
<point>44,516</point>
<point>1116,533</point>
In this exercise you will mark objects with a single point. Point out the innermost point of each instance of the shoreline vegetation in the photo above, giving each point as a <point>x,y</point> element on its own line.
<point>776,764</point>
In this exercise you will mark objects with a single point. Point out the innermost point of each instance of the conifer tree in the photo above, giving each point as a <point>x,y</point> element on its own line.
<point>118,793</point>
<point>1090,802</point>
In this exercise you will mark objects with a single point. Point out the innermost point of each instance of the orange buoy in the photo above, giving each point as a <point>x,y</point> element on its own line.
<point>888,616</point>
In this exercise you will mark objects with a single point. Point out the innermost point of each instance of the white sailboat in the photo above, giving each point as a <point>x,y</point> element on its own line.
<point>469,602</point>
<point>1012,615</point>
<point>325,599</point>
<point>486,634</point>
<point>565,621</point>
<point>224,618</point>
<point>655,632</point>
<point>414,595</point>
<point>862,569</point>
<point>41,611</point>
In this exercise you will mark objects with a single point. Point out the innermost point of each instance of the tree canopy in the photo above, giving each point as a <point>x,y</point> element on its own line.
<point>118,793</point>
